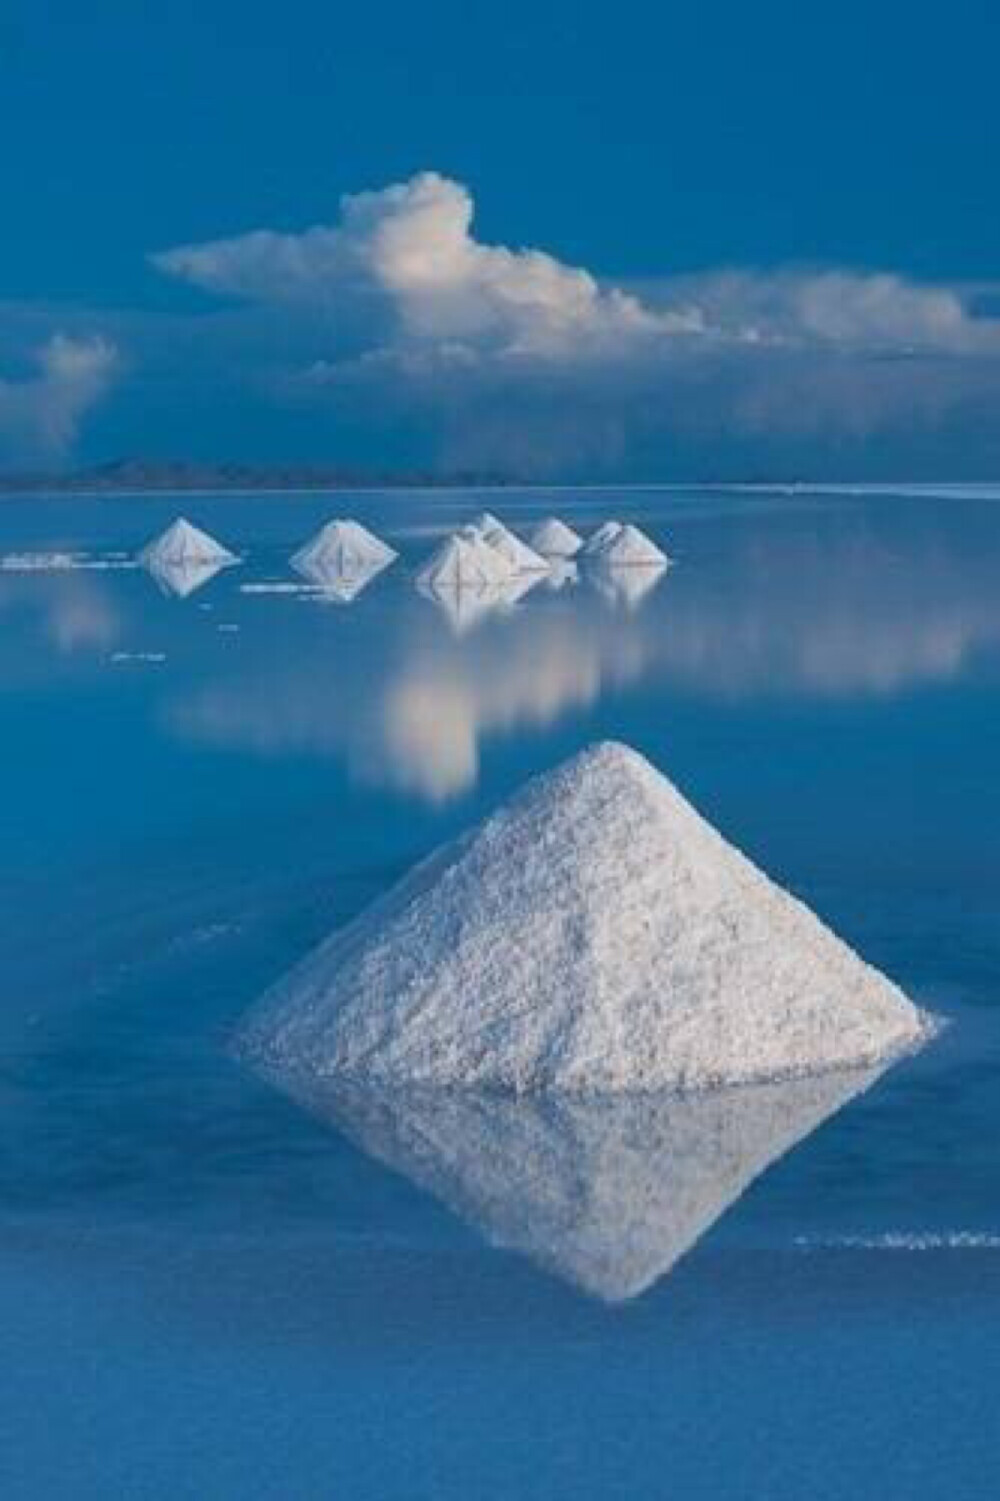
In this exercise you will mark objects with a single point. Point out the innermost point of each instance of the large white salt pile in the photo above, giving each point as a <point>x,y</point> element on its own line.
<point>462,561</point>
<point>183,543</point>
<point>342,550</point>
<point>518,556</point>
<point>607,1191</point>
<point>554,539</point>
<point>595,934</point>
<point>624,547</point>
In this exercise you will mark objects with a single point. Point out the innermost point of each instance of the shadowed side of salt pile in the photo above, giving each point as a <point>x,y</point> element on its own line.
<point>595,935</point>
<point>605,1192</point>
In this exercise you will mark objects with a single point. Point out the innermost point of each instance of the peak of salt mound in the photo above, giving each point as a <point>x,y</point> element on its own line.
<point>518,556</point>
<point>464,560</point>
<point>554,539</point>
<point>624,547</point>
<point>182,544</point>
<point>607,1192</point>
<point>595,934</point>
<point>342,550</point>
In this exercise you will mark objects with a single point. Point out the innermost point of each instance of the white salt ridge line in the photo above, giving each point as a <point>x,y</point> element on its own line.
<point>138,656</point>
<point>903,1240</point>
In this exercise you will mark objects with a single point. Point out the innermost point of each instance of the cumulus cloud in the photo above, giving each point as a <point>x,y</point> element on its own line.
<point>513,358</point>
<point>40,414</point>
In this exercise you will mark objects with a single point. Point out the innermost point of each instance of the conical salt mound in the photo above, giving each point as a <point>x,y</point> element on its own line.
<point>342,550</point>
<point>516,554</point>
<point>182,544</point>
<point>464,561</point>
<point>624,547</point>
<point>595,934</point>
<point>554,539</point>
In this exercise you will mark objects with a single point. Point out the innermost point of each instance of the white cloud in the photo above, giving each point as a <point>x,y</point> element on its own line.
<point>510,359</point>
<point>40,415</point>
<point>411,247</point>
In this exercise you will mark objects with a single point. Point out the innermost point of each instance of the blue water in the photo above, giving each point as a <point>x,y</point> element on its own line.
<point>208,1292</point>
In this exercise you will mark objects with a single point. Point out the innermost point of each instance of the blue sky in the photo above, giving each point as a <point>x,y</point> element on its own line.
<point>785,216</point>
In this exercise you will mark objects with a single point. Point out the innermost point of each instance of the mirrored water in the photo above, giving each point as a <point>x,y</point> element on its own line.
<point>212,1286</point>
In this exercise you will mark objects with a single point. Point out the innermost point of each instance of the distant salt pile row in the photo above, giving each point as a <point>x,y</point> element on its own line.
<point>485,558</point>
<point>594,935</point>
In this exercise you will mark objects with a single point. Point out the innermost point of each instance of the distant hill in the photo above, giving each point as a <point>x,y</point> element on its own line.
<point>145,474</point>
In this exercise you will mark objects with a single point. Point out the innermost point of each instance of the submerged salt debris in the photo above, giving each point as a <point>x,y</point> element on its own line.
<point>342,550</point>
<point>552,538</point>
<point>595,934</point>
<point>624,546</point>
<point>605,1191</point>
<point>518,556</point>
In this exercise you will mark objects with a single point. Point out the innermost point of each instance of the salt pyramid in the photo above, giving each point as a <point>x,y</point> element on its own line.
<point>519,557</point>
<point>622,586</point>
<point>183,543</point>
<point>624,547</point>
<point>595,934</point>
<point>554,539</point>
<point>464,560</point>
<point>342,550</point>
<point>183,558</point>
<point>608,1192</point>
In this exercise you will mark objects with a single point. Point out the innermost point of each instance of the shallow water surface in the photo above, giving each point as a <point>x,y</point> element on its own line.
<point>210,1286</point>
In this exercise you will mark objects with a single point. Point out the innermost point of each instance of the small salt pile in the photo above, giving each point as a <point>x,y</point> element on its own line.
<point>519,557</point>
<point>184,543</point>
<point>626,546</point>
<point>595,934</point>
<point>342,550</point>
<point>464,560</point>
<point>554,539</point>
<point>183,558</point>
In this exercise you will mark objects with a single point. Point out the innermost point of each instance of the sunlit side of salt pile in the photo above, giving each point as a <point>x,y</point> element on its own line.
<point>552,538</point>
<point>342,550</point>
<point>519,557</point>
<point>625,546</point>
<point>595,934</point>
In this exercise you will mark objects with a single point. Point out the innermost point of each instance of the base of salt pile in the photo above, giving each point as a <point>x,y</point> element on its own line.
<point>595,934</point>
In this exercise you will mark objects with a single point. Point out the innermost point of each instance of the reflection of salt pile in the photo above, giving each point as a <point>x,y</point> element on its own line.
<point>518,556</point>
<point>623,547</point>
<point>554,539</point>
<point>622,586</point>
<point>466,606</point>
<point>607,1192</point>
<point>594,934</point>
<point>342,558</point>
<point>183,558</point>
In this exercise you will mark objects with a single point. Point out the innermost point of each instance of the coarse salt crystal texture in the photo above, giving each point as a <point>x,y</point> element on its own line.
<point>554,539</point>
<point>595,934</point>
<point>342,550</point>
